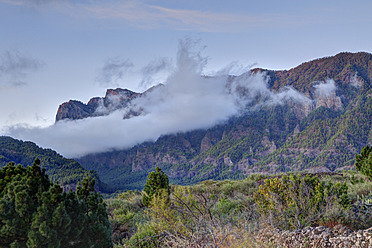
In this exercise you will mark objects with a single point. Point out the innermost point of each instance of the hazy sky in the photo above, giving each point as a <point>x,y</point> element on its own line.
<point>55,50</point>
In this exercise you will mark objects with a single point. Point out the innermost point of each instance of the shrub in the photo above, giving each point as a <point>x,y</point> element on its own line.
<point>361,212</point>
<point>293,202</point>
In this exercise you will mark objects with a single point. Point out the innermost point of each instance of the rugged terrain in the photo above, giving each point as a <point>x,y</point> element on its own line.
<point>321,133</point>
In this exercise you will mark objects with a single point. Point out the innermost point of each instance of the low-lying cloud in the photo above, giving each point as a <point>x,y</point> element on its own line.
<point>328,88</point>
<point>187,101</point>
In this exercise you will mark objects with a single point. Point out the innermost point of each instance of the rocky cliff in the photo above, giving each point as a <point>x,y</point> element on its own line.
<point>97,106</point>
<point>322,133</point>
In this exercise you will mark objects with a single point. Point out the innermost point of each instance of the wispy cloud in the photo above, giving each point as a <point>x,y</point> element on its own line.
<point>113,70</point>
<point>14,67</point>
<point>146,14</point>
<point>142,15</point>
<point>33,3</point>
<point>328,88</point>
<point>154,67</point>
<point>187,101</point>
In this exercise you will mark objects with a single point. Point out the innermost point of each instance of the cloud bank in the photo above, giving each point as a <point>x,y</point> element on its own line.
<point>188,100</point>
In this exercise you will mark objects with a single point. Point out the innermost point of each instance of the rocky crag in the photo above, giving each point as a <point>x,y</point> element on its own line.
<point>321,134</point>
<point>97,106</point>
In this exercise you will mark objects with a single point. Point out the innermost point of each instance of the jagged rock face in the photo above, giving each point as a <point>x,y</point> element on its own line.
<point>74,110</point>
<point>321,133</point>
<point>97,106</point>
<point>332,101</point>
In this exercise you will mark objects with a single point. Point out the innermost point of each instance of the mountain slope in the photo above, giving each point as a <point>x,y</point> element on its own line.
<point>322,133</point>
<point>67,172</point>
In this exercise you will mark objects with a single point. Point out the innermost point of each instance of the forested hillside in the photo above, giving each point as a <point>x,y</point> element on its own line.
<point>321,131</point>
<point>67,172</point>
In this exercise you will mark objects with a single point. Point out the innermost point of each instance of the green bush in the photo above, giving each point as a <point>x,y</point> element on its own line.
<point>126,213</point>
<point>293,202</point>
<point>144,237</point>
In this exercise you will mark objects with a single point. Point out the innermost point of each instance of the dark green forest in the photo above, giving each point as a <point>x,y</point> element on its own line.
<point>59,169</point>
<point>35,212</point>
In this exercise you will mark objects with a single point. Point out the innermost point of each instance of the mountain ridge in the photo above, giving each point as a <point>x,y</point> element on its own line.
<point>321,134</point>
<point>96,106</point>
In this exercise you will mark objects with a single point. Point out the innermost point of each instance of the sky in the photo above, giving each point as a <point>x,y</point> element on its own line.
<point>52,51</point>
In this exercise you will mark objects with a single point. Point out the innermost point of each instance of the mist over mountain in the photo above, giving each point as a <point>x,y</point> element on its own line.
<point>313,117</point>
<point>187,101</point>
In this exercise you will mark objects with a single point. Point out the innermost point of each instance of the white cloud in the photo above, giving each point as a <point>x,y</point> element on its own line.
<point>140,14</point>
<point>325,89</point>
<point>187,101</point>
<point>113,71</point>
<point>152,72</point>
<point>148,16</point>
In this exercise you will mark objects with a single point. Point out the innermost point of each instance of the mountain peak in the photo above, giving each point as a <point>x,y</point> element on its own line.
<point>119,92</point>
<point>344,68</point>
<point>96,106</point>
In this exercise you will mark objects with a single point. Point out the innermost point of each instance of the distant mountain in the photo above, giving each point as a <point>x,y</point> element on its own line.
<point>97,106</point>
<point>67,172</point>
<point>321,134</point>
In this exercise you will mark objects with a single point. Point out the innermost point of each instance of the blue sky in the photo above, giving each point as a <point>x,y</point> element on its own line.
<point>55,50</point>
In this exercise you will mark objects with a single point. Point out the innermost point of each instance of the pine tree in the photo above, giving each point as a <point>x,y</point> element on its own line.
<point>97,229</point>
<point>21,190</point>
<point>51,221</point>
<point>363,161</point>
<point>157,181</point>
<point>34,212</point>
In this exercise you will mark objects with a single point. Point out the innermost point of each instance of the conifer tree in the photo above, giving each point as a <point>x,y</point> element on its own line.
<point>34,212</point>
<point>97,231</point>
<point>157,181</point>
<point>363,161</point>
<point>51,221</point>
